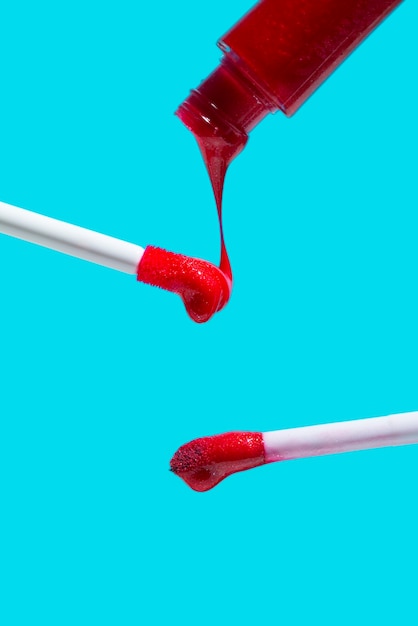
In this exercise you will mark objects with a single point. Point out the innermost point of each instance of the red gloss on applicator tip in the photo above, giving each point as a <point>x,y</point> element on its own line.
<point>204,462</point>
<point>202,286</point>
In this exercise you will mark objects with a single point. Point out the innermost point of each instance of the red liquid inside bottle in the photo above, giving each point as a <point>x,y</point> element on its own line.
<point>274,58</point>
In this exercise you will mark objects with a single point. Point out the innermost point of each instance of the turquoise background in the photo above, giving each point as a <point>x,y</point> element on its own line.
<point>102,379</point>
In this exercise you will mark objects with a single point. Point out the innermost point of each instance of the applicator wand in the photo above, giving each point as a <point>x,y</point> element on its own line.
<point>202,286</point>
<point>203,463</point>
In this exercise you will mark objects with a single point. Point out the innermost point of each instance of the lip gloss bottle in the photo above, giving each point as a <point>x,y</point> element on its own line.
<point>274,58</point>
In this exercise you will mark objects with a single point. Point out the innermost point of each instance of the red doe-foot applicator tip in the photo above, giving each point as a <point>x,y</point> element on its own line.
<point>203,463</point>
<point>202,286</point>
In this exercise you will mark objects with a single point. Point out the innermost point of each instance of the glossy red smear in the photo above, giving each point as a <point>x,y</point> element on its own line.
<point>204,462</point>
<point>202,286</point>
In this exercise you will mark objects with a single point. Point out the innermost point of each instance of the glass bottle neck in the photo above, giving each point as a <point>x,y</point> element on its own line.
<point>227,105</point>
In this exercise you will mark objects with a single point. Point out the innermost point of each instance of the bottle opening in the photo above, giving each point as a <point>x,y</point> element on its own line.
<point>226,107</point>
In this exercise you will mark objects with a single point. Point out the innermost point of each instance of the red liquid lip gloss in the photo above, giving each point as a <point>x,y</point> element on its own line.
<point>274,58</point>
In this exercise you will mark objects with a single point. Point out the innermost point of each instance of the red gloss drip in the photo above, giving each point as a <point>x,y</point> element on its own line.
<point>204,462</point>
<point>219,144</point>
<point>216,154</point>
<point>202,286</point>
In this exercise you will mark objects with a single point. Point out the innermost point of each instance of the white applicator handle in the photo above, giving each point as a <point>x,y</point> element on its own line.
<point>377,432</point>
<point>73,240</point>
